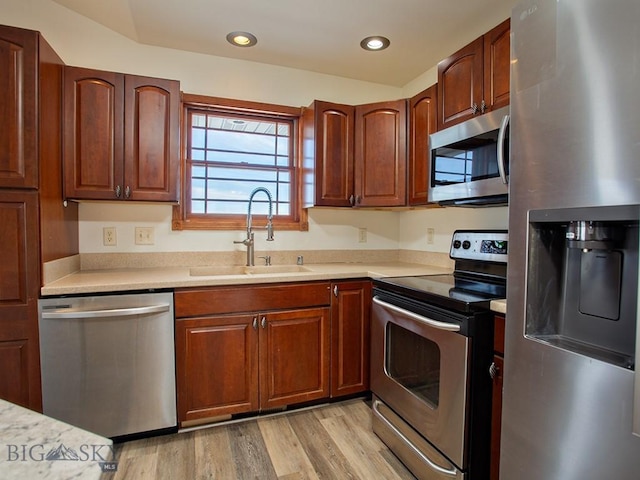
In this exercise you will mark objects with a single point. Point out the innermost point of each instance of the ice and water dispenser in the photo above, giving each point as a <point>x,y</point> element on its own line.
<point>582,281</point>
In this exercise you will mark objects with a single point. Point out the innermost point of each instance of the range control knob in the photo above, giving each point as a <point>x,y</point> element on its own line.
<point>456,244</point>
<point>466,244</point>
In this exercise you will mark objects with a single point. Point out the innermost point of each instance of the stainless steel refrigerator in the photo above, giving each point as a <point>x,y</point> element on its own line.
<point>571,393</point>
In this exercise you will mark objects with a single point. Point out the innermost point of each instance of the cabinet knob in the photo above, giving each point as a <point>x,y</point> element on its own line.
<point>118,191</point>
<point>263,322</point>
<point>494,371</point>
<point>127,192</point>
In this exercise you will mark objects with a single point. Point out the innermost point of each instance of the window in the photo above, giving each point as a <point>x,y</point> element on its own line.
<point>230,148</point>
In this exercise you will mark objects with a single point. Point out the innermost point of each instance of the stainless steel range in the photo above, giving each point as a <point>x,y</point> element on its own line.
<point>431,350</point>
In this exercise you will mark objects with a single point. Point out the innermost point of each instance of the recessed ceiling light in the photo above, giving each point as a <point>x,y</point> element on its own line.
<point>242,39</point>
<point>375,43</point>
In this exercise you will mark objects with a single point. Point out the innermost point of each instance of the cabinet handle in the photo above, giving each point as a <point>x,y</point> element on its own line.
<point>352,200</point>
<point>255,323</point>
<point>474,108</point>
<point>118,191</point>
<point>335,290</point>
<point>483,106</point>
<point>263,322</point>
<point>494,371</point>
<point>127,192</point>
<point>358,199</point>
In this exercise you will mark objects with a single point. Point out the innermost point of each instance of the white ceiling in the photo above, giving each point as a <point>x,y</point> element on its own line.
<point>318,35</point>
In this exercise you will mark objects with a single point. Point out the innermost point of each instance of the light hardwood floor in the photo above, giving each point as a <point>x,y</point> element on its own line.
<point>327,442</point>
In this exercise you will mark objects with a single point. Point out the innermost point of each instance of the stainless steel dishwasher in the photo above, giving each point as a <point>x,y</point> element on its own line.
<point>108,362</point>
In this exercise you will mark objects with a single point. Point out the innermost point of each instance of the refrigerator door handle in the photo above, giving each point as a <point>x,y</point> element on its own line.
<point>636,376</point>
<point>501,138</point>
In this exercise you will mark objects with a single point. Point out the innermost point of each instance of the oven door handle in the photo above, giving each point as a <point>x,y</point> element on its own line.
<point>449,327</point>
<point>450,473</point>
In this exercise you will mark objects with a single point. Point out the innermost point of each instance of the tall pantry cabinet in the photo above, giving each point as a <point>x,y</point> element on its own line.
<point>36,226</point>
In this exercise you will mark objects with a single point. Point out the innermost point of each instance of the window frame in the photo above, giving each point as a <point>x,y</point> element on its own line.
<point>182,220</point>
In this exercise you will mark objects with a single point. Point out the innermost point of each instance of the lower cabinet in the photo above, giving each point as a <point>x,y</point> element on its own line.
<point>243,349</point>
<point>217,366</point>
<point>350,340</point>
<point>19,287</point>
<point>496,372</point>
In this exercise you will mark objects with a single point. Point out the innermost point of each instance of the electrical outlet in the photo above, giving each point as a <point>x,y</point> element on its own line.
<point>144,236</point>
<point>109,236</point>
<point>362,235</point>
<point>430,234</point>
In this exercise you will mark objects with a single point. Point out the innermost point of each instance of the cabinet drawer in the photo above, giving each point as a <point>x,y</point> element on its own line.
<point>237,299</point>
<point>498,336</point>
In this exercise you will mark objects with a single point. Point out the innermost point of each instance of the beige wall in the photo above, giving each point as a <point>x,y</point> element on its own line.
<point>82,42</point>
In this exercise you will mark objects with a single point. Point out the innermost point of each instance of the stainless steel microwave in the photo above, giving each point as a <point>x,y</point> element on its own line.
<point>470,162</point>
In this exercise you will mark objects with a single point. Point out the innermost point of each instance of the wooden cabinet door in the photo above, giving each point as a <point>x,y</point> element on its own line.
<point>216,366</point>
<point>93,141</point>
<point>381,154</point>
<point>19,288</point>
<point>294,356</point>
<point>350,337</point>
<point>151,134</point>
<point>423,109</point>
<point>329,132</point>
<point>460,89</point>
<point>18,108</point>
<point>497,65</point>
<point>121,136</point>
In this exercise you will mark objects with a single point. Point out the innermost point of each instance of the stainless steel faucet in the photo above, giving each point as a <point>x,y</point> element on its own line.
<point>249,241</point>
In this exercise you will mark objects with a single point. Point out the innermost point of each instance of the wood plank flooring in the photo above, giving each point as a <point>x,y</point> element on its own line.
<point>327,442</point>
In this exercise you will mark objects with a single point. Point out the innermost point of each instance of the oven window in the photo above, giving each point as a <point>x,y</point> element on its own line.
<point>414,362</point>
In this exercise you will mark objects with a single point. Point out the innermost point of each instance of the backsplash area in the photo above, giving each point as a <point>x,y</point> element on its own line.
<point>331,230</point>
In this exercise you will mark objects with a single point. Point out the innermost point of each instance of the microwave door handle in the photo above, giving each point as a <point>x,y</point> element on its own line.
<point>501,138</point>
<point>450,327</point>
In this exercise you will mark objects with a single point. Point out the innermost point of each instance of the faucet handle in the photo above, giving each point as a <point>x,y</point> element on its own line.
<point>267,259</point>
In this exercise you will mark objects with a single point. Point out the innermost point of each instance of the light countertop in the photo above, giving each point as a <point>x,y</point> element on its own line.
<point>499,306</point>
<point>129,279</point>
<point>35,446</point>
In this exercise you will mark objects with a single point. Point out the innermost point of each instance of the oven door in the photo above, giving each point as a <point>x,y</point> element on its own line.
<point>420,369</point>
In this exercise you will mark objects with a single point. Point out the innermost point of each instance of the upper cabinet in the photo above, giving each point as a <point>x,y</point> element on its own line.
<point>355,156</point>
<point>423,109</point>
<point>475,79</point>
<point>18,108</point>
<point>121,136</point>
<point>381,154</point>
<point>328,154</point>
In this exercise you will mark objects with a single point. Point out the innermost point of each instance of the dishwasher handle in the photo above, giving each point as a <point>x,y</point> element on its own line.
<point>450,327</point>
<point>64,313</point>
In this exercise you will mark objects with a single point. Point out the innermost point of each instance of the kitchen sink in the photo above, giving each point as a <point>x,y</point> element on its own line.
<point>211,271</point>
<point>256,270</point>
